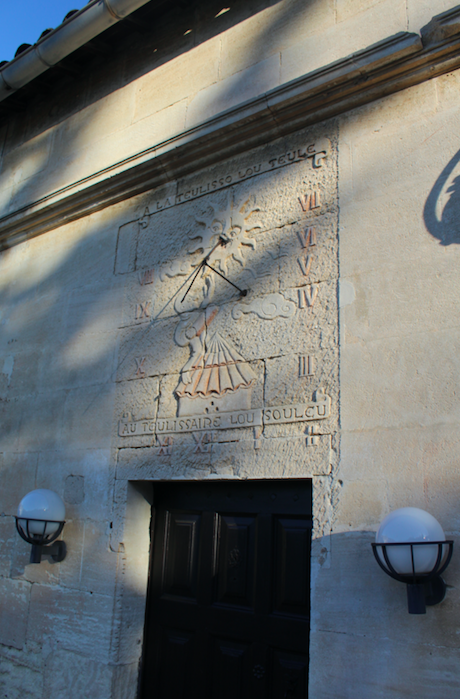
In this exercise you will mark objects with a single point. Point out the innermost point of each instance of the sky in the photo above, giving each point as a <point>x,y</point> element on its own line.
<point>22,21</point>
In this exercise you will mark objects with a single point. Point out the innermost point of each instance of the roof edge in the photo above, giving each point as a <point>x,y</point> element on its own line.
<point>79,29</point>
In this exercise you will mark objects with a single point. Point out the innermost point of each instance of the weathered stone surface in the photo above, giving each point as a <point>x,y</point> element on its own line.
<point>86,359</point>
<point>153,341</point>
<point>166,84</point>
<point>432,667</point>
<point>410,466</point>
<point>40,421</point>
<point>91,310</point>
<point>404,374</point>
<point>71,674</point>
<point>90,565</point>
<point>125,259</point>
<point>140,302</point>
<point>87,417</point>
<point>77,621</point>
<point>157,127</point>
<point>14,607</point>
<point>47,573</point>
<point>17,681</point>
<point>125,681</point>
<point>382,20</point>
<point>74,490</point>
<point>132,536</point>
<point>137,400</point>
<point>18,473</point>
<point>55,467</point>
<point>28,160</point>
<point>420,12</point>
<point>383,621</point>
<point>270,31</point>
<point>58,264</point>
<point>246,455</point>
<point>233,90</point>
<point>8,536</point>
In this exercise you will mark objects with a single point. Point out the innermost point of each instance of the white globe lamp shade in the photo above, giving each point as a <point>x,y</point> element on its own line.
<point>41,506</point>
<point>409,525</point>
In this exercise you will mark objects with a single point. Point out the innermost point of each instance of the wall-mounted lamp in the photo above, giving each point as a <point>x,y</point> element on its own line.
<point>39,521</point>
<point>411,547</point>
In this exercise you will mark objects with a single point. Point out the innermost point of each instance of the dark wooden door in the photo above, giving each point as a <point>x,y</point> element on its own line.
<point>229,591</point>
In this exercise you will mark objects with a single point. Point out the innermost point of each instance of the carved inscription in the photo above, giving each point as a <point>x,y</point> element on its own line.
<point>318,409</point>
<point>144,221</point>
<point>310,201</point>
<point>306,366</point>
<point>201,442</point>
<point>257,437</point>
<point>312,440</point>
<point>140,371</point>
<point>307,237</point>
<point>308,296</point>
<point>313,152</point>
<point>146,277</point>
<point>165,446</point>
<point>143,310</point>
<point>305,264</point>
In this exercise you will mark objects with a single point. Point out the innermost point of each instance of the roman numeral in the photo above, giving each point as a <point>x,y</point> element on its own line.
<point>143,310</point>
<point>307,237</point>
<point>310,201</point>
<point>165,446</point>
<point>201,442</point>
<point>311,439</point>
<point>305,264</point>
<point>146,277</point>
<point>306,366</point>
<point>140,371</point>
<point>308,296</point>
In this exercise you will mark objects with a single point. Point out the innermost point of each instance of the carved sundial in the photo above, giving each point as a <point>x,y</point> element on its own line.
<point>216,378</point>
<point>215,387</point>
<point>219,238</point>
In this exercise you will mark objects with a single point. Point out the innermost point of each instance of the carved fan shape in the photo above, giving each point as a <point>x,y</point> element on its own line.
<point>223,370</point>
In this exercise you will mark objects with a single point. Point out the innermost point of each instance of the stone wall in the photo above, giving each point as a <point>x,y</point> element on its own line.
<point>196,64</point>
<point>99,350</point>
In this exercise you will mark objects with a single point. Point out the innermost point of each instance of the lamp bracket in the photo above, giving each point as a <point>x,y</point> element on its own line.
<point>422,588</point>
<point>57,551</point>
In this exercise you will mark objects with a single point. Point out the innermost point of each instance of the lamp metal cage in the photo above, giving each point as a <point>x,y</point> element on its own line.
<point>423,588</point>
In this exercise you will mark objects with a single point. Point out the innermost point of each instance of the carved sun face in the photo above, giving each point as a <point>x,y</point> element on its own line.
<point>231,225</point>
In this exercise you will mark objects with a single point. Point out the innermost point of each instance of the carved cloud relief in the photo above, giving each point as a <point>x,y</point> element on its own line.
<point>267,308</point>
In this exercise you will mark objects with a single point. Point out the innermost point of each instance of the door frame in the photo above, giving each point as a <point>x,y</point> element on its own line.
<point>130,538</point>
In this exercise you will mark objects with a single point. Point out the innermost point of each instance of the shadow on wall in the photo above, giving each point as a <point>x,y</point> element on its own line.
<point>176,35</point>
<point>365,643</point>
<point>442,208</point>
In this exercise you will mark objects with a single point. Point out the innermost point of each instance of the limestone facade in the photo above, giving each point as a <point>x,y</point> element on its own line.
<point>126,360</point>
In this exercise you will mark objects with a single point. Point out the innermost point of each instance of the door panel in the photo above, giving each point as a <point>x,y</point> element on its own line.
<point>229,591</point>
<point>292,553</point>
<point>290,675</point>
<point>176,651</point>
<point>229,668</point>
<point>236,562</point>
<point>181,548</point>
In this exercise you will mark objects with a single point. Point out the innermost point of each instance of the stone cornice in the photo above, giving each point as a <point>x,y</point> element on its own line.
<point>382,69</point>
